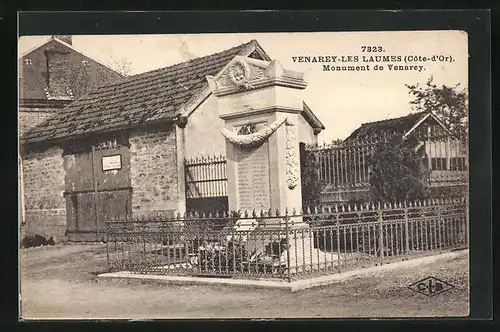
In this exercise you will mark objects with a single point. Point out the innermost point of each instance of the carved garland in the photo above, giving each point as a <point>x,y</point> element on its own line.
<point>292,161</point>
<point>254,139</point>
<point>247,129</point>
<point>247,137</point>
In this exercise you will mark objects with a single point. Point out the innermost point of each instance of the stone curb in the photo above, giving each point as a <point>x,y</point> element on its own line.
<point>283,285</point>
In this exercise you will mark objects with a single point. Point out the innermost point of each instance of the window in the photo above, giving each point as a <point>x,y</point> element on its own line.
<point>458,164</point>
<point>28,62</point>
<point>438,164</point>
<point>425,161</point>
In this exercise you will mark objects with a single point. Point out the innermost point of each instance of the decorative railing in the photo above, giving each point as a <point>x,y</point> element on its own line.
<point>345,165</point>
<point>286,245</point>
<point>206,177</point>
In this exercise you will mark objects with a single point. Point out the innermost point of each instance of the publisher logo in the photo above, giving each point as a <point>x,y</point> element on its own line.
<point>431,286</point>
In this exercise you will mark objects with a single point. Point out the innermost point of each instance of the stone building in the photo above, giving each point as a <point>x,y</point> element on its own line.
<point>120,150</point>
<point>442,154</point>
<point>346,172</point>
<point>52,75</point>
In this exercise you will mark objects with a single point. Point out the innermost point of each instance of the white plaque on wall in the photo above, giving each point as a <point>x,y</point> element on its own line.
<point>110,163</point>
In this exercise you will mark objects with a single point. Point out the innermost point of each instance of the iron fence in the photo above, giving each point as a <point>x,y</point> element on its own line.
<point>291,245</point>
<point>206,177</point>
<point>345,165</point>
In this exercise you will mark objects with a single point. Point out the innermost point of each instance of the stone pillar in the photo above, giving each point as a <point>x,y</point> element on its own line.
<point>181,149</point>
<point>260,103</point>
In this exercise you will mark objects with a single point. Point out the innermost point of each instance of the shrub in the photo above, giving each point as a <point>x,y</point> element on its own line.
<point>311,183</point>
<point>275,248</point>
<point>36,240</point>
<point>217,259</point>
<point>396,171</point>
<point>214,257</point>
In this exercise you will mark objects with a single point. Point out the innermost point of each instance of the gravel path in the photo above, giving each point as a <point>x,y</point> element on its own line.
<point>60,282</point>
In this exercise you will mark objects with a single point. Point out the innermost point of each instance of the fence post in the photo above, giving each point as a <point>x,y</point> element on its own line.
<point>439,227</point>
<point>233,240</point>
<point>407,239</point>
<point>337,217</point>
<point>287,246</point>
<point>144,248</point>
<point>186,248</point>
<point>381,236</point>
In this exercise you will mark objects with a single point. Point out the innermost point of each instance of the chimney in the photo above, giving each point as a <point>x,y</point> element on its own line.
<point>65,38</point>
<point>58,72</point>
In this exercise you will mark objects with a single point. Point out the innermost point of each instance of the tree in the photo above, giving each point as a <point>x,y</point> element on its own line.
<point>337,141</point>
<point>396,172</point>
<point>123,66</point>
<point>311,183</point>
<point>448,102</point>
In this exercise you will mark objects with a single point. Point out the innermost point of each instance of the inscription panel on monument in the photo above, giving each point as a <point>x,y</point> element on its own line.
<point>253,178</point>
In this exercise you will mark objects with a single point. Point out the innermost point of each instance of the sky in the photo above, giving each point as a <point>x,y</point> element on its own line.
<point>342,100</point>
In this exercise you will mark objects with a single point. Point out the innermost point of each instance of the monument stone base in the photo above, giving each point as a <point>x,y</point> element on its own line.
<point>304,257</point>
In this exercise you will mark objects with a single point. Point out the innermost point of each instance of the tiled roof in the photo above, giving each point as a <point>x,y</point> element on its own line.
<point>312,118</point>
<point>378,129</point>
<point>144,98</point>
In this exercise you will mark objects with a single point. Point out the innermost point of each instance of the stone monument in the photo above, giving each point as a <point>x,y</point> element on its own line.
<point>260,103</point>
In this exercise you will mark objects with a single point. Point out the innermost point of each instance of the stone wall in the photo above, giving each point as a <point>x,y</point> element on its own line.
<point>45,205</point>
<point>203,131</point>
<point>28,118</point>
<point>153,171</point>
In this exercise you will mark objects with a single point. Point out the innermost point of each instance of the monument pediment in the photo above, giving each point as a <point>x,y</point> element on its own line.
<point>244,74</point>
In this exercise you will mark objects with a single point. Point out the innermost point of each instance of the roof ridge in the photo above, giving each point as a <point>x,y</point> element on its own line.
<point>32,49</point>
<point>192,60</point>
<point>124,79</point>
<point>107,100</point>
<point>71,47</point>
<point>399,117</point>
